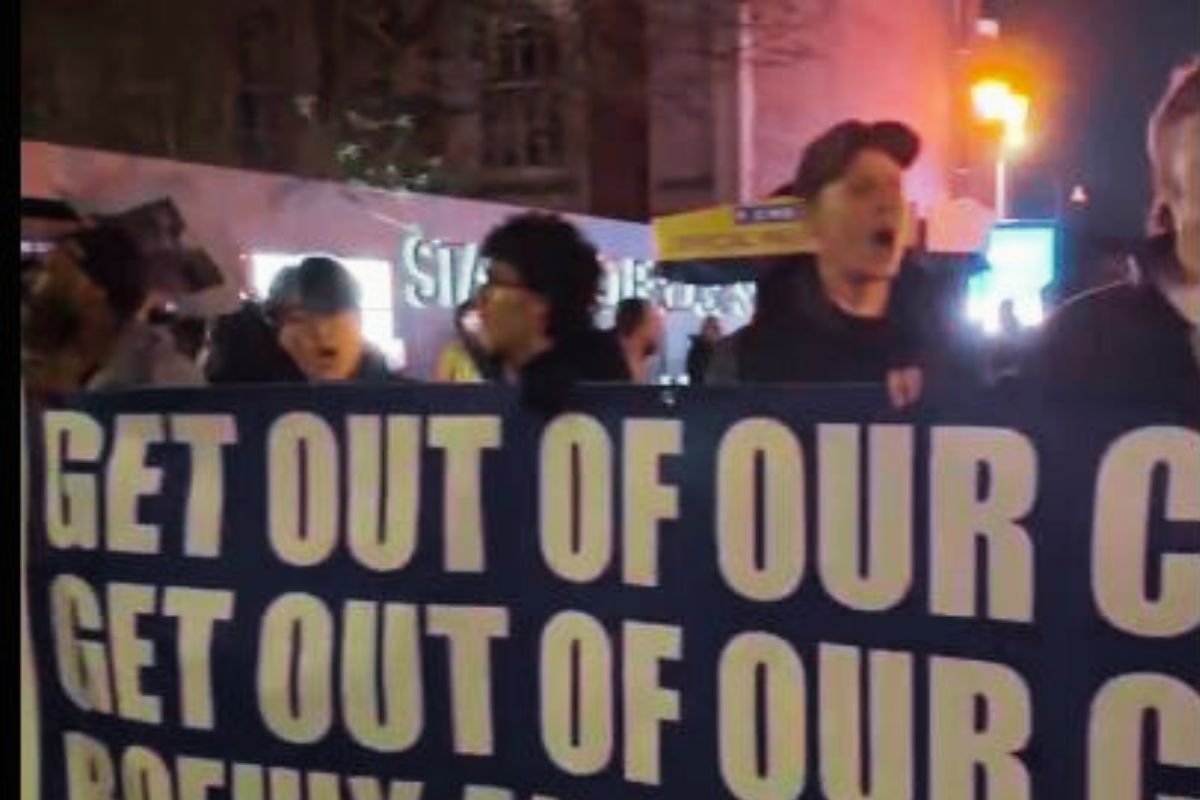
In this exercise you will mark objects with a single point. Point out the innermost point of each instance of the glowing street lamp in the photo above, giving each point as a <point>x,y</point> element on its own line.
<point>995,101</point>
<point>991,98</point>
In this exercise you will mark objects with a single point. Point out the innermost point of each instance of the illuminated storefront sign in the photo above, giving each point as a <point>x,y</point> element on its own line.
<point>436,274</point>
<point>1023,257</point>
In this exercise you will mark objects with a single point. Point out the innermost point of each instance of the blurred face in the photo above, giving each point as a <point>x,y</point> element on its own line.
<point>326,347</point>
<point>66,324</point>
<point>514,317</point>
<point>711,331</point>
<point>471,325</point>
<point>859,220</point>
<point>652,332</point>
<point>1183,195</point>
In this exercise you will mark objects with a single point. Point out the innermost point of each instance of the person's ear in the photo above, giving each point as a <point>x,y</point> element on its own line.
<point>1162,221</point>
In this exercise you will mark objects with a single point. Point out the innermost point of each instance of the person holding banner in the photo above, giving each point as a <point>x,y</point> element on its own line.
<point>853,312</point>
<point>1140,339</point>
<point>316,306</point>
<point>537,309</point>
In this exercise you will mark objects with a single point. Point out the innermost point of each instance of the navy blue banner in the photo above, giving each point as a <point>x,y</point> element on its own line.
<point>416,593</point>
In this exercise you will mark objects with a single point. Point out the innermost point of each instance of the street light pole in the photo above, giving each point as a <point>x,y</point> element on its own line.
<point>996,102</point>
<point>1002,186</point>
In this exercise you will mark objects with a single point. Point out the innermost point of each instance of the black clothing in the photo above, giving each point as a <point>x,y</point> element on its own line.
<point>839,349</point>
<point>800,336</point>
<point>588,357</point>
<point>1124,342</point>
<point>373,368</point>
<point>698,358</point>
<point>244,348</point>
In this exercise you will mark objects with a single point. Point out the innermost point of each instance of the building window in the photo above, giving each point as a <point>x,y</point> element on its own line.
<point>523,103</point>
<point>259,94</point>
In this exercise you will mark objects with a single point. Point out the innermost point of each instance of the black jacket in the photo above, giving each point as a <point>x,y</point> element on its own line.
<point>373,368</point>
<point>800,336</point>
<point>588,357</point>
<point>244,349</point>
<point>698,358</point>
<point>1124,342</point>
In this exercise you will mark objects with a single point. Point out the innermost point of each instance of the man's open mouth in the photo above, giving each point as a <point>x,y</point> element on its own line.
<point>885,237</point>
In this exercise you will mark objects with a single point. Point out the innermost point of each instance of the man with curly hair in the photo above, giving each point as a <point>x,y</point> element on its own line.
<point>537,309</point>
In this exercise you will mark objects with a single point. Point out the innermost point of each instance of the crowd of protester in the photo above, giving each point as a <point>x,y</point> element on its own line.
<point>853,311</point>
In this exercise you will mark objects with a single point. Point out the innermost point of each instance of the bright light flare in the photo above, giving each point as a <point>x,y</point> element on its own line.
<point>990,98</point>
<point>1023,263</point>
<point>995,101</point>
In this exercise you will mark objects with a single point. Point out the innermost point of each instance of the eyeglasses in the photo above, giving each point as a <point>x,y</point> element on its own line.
<point>493,283</point>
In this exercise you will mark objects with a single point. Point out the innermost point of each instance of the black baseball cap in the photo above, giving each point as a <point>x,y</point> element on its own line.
<point>828,156</point>
<point>318,285</point>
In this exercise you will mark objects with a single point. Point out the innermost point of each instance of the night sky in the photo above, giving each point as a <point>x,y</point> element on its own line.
<point>1107,63</point>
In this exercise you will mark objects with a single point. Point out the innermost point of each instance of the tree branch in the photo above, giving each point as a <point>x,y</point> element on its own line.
<point>372,25</point>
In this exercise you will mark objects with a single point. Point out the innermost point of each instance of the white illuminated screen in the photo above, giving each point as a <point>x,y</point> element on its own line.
<point>1022,263</point>
<point>374,280</point>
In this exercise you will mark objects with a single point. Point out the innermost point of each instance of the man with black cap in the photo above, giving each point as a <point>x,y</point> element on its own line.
<point>848,313</point>
<point>84,319</point>
<point>316,308</point>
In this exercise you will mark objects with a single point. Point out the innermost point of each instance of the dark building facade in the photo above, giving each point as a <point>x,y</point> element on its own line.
<point>618,108</point>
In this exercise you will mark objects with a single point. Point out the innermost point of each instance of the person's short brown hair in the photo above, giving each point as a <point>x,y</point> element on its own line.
<point>1179,102</point>
<point>827,157</point>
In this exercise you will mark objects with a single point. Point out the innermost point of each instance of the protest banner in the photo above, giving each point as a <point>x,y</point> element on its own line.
<point>413,593</point>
